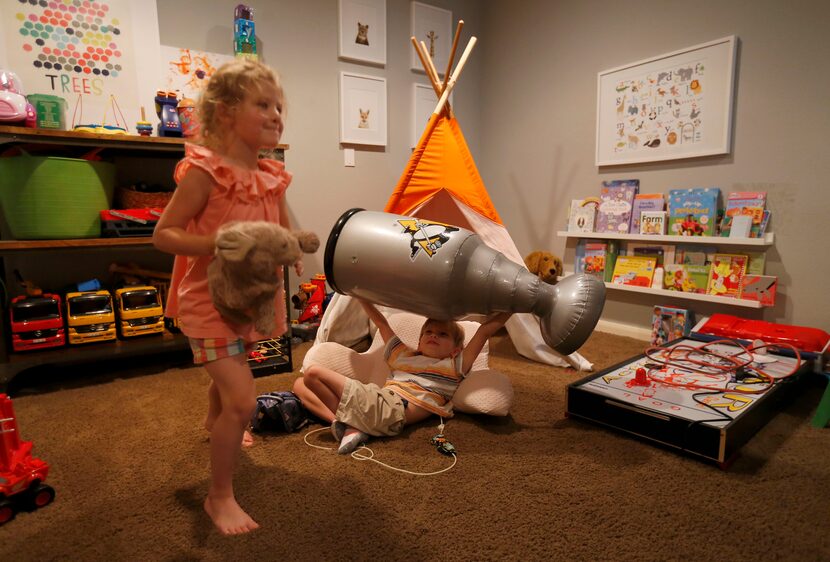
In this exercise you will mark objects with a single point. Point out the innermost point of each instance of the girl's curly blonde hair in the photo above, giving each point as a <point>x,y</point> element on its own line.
<point>229,85</point>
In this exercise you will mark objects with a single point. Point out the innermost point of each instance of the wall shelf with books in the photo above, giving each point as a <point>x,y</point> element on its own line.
<point>728,301</point>
<point>767,240</point>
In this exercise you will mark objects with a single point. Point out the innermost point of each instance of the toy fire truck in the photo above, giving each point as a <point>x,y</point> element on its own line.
<point>21,474</point>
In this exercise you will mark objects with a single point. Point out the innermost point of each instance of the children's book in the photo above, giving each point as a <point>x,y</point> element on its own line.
<point>757,263</point>
<point>663,252</point>
<point>612,250</point>
<point>634,270</point>
<point>669,323</point>
<point>686,278</point>
<point>644,202</point>
<point>582,215</point>
<point>653,222</point>
<point>762,228</point>
<point>726,275</point>
<point>744,203</point>
<point>694,254</point>
<point>761,288</point>
<point>590,258</point>
<point>616,202</point>
<point>693,212</point>
<point>698,277</point>
<point>676,277</point>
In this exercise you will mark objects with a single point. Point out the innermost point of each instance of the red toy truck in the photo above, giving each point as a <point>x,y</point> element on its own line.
<point>37,322</point>
<point>21,474</point>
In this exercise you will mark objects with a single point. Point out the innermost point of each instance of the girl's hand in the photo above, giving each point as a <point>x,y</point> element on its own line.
<point>298,268</point>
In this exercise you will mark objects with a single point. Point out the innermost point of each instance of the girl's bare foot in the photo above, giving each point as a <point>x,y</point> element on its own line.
<point>247,437</point>
<point>228,517</point>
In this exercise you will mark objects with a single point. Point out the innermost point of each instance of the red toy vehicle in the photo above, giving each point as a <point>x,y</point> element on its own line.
<point>37,322</point>
<point>21,474</point>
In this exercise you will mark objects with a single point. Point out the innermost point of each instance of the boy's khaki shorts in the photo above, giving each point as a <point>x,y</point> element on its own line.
<point>371,409</point>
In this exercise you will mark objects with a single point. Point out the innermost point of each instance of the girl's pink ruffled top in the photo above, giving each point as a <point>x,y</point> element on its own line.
<point>239,194</point>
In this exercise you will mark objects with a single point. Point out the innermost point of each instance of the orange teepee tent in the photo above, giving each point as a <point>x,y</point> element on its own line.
<point>441,183</point>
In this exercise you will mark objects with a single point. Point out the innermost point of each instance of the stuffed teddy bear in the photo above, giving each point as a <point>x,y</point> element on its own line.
<point>547,266</point>
<point>243,277</point>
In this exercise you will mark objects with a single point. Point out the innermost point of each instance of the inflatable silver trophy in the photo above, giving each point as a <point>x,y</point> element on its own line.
<point>446,272</point>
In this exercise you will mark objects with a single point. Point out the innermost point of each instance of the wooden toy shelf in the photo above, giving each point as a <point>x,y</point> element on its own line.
<point>152,149</point>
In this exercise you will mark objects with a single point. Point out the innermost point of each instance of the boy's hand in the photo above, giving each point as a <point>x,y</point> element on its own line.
<point>299,268</point>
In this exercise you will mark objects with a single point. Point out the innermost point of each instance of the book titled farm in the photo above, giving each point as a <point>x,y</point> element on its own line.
<point>744,203</point>
<point>645,202</point>
<point>582,215</point>
<point>726,275</point>
<point>634,270</point>
<point>616,202</point>
<point>761,288</point>
<point>653,222</point>
<point>693,212</point>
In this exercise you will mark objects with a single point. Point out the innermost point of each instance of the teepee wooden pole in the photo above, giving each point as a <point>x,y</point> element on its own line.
<point>445,95</point>
<point>432,69</point>
<point>435,84</point>
<point>452,53</point>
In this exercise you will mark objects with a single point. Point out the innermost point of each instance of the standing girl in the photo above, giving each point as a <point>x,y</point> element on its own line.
<point>223,180</point>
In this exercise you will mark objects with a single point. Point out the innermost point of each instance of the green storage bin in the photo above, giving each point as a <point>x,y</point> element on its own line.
<point>46,197</point>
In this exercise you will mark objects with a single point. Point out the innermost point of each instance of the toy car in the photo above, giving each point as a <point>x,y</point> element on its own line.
<point>21,474</point>
<point>139,311</point>
<point>37,322</point>
<point>14,107</point>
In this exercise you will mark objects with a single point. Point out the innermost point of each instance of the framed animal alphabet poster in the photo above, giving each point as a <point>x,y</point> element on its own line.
<point>362,109</point>
<point>362,31</point>
<point>676,105</point>
<point>433,27</point>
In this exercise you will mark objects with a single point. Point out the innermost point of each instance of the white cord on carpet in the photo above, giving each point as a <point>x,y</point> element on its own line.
<point>358,455</point>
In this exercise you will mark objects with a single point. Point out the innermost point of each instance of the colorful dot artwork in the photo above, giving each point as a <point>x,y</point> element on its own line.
<point>73,36</point>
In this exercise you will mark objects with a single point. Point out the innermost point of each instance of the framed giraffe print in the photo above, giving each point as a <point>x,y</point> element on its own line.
<point>676,105</point>
<point>433,27</point>
<point>362,31</point>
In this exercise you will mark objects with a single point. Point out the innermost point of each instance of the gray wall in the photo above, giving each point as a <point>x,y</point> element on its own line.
<point>538,140</point>
<point>527,105</point>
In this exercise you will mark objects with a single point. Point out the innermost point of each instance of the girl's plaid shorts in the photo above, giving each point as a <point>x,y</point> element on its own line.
<point>211,349</point>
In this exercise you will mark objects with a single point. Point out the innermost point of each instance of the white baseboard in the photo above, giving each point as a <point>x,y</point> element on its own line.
<point>626,330</point>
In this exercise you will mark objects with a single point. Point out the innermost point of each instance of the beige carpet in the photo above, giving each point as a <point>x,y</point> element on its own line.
<point>130,466</point>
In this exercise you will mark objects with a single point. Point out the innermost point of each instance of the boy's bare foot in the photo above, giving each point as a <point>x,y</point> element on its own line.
<point>228,517</point>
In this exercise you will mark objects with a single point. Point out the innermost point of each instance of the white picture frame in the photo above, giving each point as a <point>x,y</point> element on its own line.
<point>424,100</point>
<point>362,109</point>
<point>433,26</point>
<point>675,105</point>
<point>362,31</point>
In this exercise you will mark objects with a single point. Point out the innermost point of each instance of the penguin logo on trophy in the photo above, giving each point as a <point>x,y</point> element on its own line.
<point>426,235</point>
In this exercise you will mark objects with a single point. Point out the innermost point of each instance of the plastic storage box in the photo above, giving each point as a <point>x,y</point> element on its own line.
<point>50,110</point>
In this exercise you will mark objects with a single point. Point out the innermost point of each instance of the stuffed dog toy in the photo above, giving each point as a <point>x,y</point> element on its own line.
<point>243,277</point>
<point>545,265</point>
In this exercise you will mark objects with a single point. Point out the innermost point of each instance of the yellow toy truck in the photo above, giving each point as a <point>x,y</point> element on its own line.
<point>139,311</point>
<point>90,317</point>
